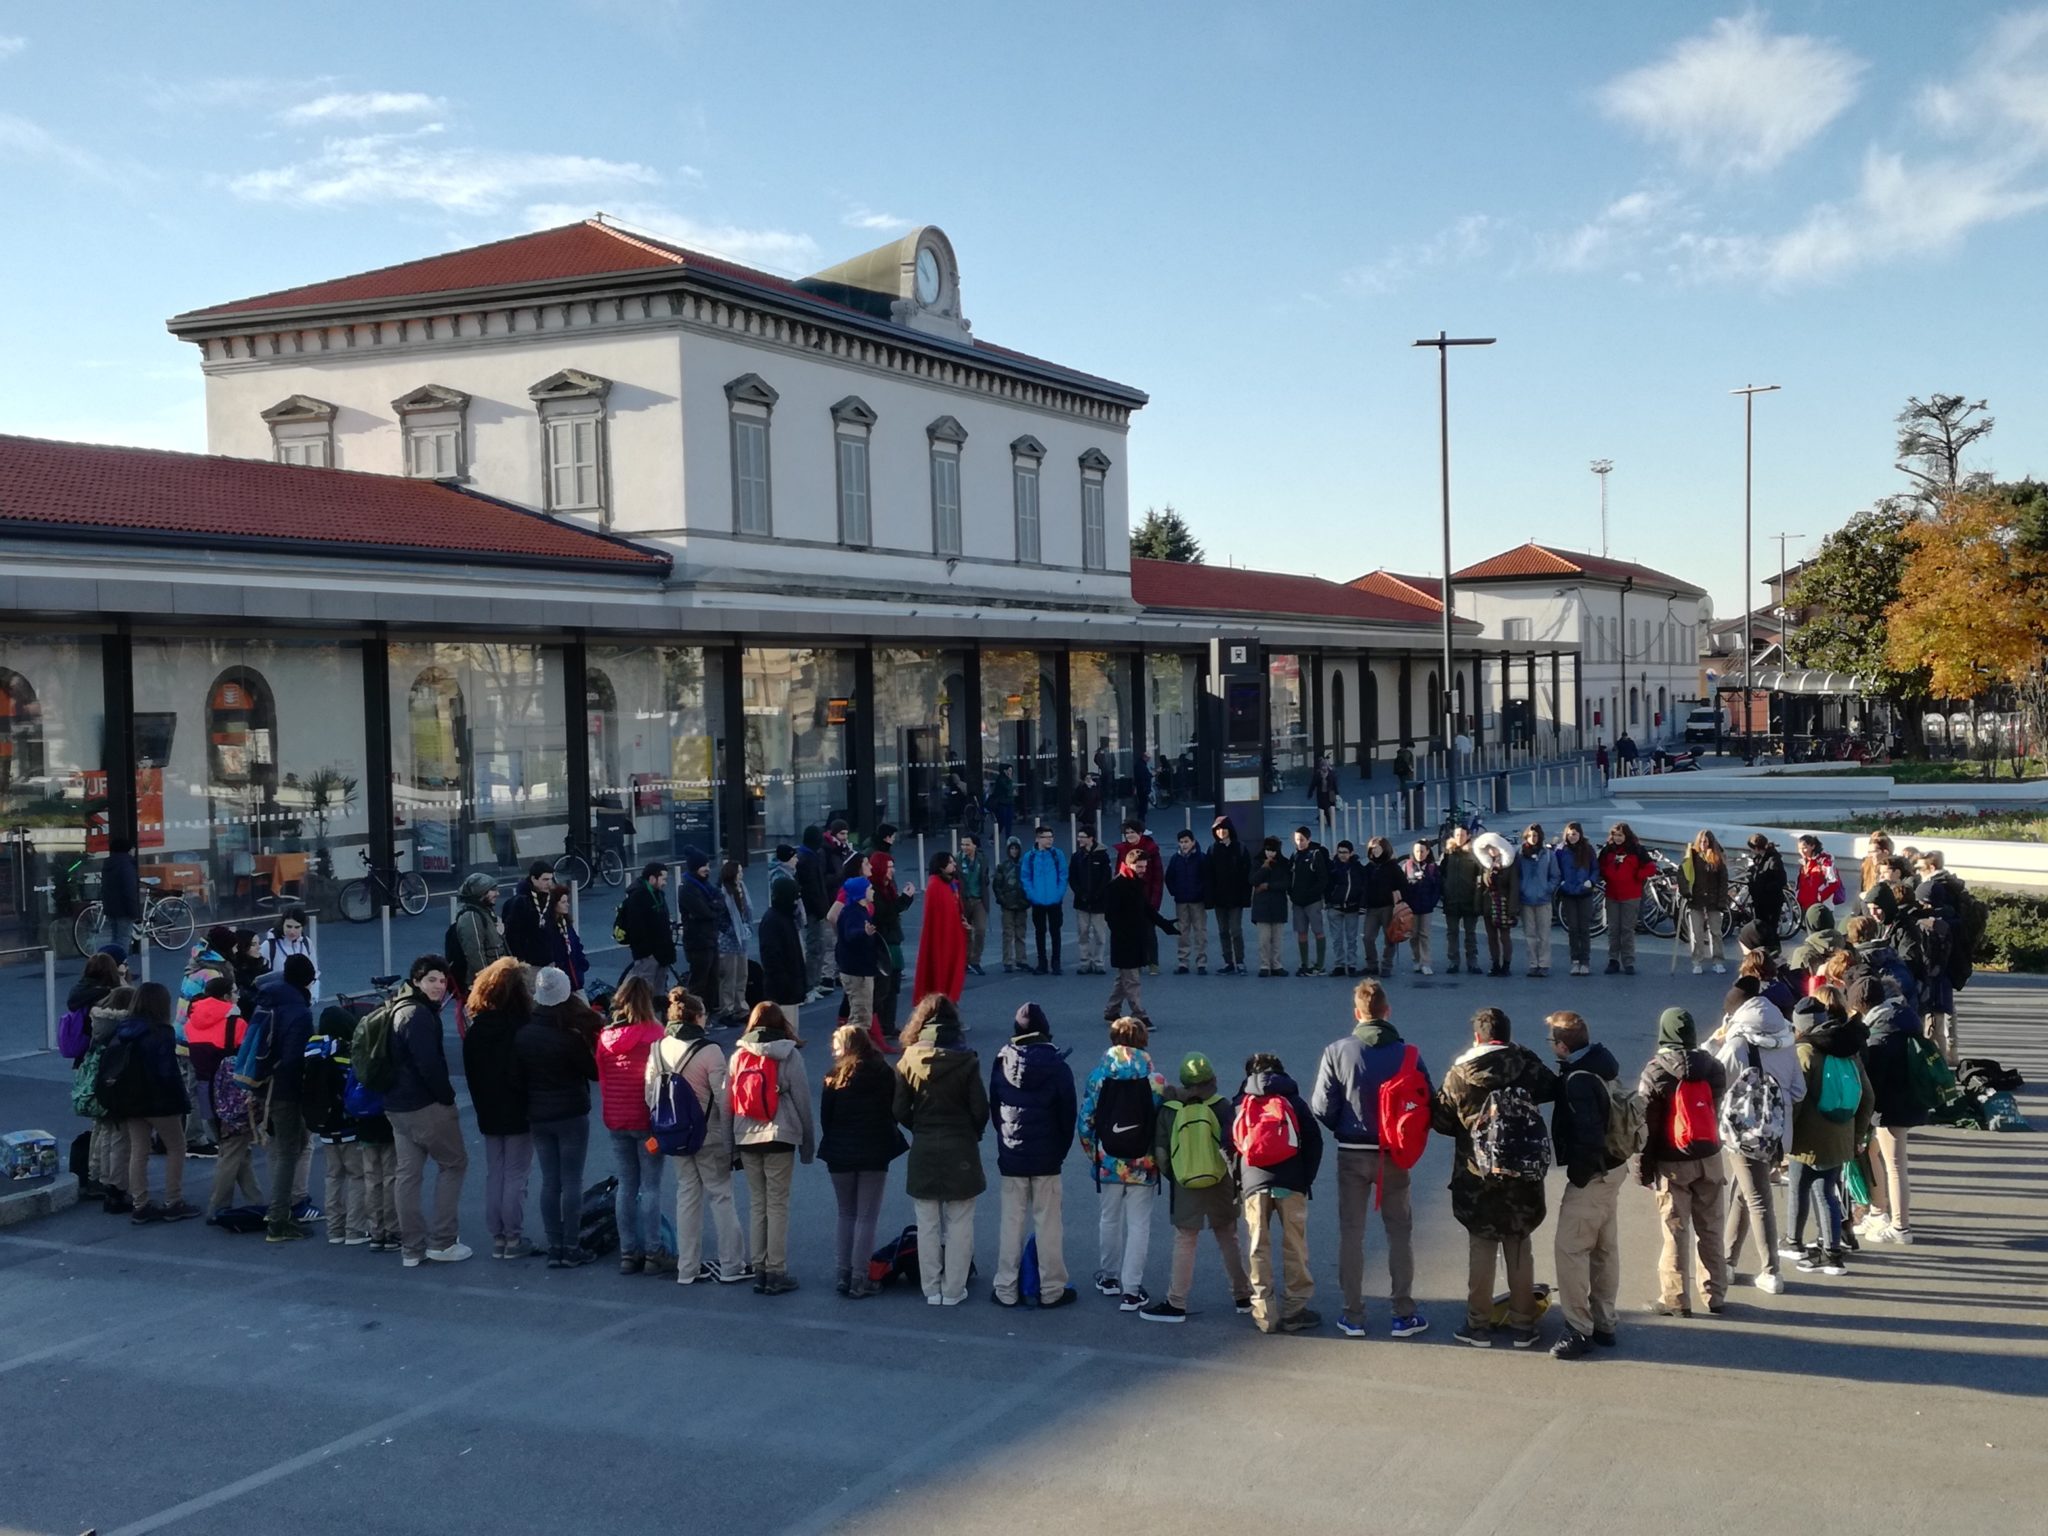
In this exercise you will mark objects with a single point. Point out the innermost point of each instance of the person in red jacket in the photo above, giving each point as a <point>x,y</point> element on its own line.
<point>1818,882</point>
<point>942,942</point>
<point>1624,869</point>
<point>622,1048</point>
<point>1135,836</point>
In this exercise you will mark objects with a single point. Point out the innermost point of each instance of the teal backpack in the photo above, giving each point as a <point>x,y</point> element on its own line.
<point>1841,1088</point>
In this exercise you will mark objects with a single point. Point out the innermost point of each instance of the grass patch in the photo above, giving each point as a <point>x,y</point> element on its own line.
<point>1905,826</point>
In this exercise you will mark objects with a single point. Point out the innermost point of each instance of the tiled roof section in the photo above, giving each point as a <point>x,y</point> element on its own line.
<point>1232,589</point>
<point>1426,590</point>
<point>54,487</point>
<point>1539,561</point>
<point>570,253</point>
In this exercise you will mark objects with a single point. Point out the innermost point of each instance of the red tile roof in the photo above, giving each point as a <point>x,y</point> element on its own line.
<point>570,253</point>
<point>1427,590</point>
<point>53,487</point>
<point>1232,589</point>
<point>1536,562</point>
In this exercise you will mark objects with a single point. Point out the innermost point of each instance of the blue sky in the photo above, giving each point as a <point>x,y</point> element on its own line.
<point>1248,211</point>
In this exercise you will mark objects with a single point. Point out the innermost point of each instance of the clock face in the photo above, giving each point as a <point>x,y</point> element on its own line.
<point>927,276</point>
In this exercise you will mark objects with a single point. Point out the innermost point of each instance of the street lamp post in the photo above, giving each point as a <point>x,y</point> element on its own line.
<point>1443,342</point>
<point>1749,392</point>
<point>1603,468</point>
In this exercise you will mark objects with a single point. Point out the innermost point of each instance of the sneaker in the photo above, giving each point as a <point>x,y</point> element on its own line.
<point>205,1149</point>
<point>1449,970</point>
<point>1809,1262</point>
<point>992,1296</point>
<point>290,1232</point>
<point>1038,970</point>
<point>1302,970</point>
<point>1180,970</point>
<point>306,1210</point>
<point>1605,1338</point>
<point>1573,1346</point>
<point>1770,1284</point>
<point>1243,1305</point>
<point>1526,1338</point>
<point>1900,1235</point>
<point>1426,971</point>
<point>1698,969</point>
<point>975,970</point>
<point>1720,969</point>
<point>1628,970</point>
<point>1671,1309</point>
<point>180,1210</point>
<point>145,1214</point>
<point>635,1263</point>
<point>1874,1226</point>
<point>1351,1327</point>
<point>1408,1327</point>
<point>1135,1301</point>
<point>520,1248</point>
<point>454,1253</point>
<point>558,1258</point>
<point>781,1283</point>
<point>1716,1308</point>
<point>1790,1253</point>
<point>1162,1312</point>
<point>1834,1265</point>
<point>1614,967</point>
<point>579,1256</point>
<point>1301,1322</point>
<point>360,1240</point>
<point>116,1203</point>
<point>410,1261</point>
<point>1066,1298</point>
<point>737,1275</point>
<point>1478,1338</point>
<point>1201,970</point>
<point>1108,1285</point>
<point>497,1247</point>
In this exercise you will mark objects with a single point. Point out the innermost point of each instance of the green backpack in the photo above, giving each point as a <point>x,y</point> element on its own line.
<point>1928,1075</point>
<point>85,1082</point>
<point>1841,1089</point>
<point>370,1050</point>
<point>1195,1147</point>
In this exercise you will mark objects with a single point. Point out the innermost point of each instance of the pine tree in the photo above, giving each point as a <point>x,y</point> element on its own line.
<point>1164,535</point>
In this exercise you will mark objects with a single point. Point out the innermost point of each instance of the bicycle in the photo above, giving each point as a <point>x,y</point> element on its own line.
<point>363,1004</point>
<point>1465,813</point>
<point>358,900</point>
<point>166,922</point>
<point>1741,909</point>
<point>1658,915</point>
<point>573,867</point>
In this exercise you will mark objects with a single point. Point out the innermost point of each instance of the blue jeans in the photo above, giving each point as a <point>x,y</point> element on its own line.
<point>639,1199</point>
<point>560,1145</point>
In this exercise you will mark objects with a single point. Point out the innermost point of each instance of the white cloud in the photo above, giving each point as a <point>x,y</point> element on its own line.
<point>22,140</point>
<point>1737,97</point>
<point>227,91</point>
<point>399,168</point>
<point>1616,233</point>
<point>772,250</point>
<point>881,223</point>
<point>358,106</point>
<point>1464,240</point>
<point>10,46</point>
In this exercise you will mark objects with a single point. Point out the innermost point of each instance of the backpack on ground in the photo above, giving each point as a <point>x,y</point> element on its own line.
<point>1125,1118</point>
<point>451,951</point>
<point>1509,1138</point>
<point>120,1080</point>
<point>1928,1075</point>
<point>74,1034</point>
<point>1266,1132</point>
<point>230,1101</point>
<point>1404,1111</point>
<point>1628,1122</point>
<point>754,1087</point>
<point>597,1218</point>
<point>85,1082</point>
<point>240,1219</point>
<point>895,1260</point>
<point>1755,1119</point>
<point>1841,1089</point>
<point>1971,915</point>
<point>322,1088</point>
<point>2001,1112</point>
<point>1691,1126</point>
<point>1981,1074</point>
<point>675,1124</point>
<point>256,1061</point>
<point>370,1057</point>
<point>1195,1147</point>
<point>1028,1282</point>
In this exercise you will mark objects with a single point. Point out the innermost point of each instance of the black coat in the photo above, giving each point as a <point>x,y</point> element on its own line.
<point>649,934</point>
<point>782,951</point>
<point>1228,869</point>
<point>1088,877</point>
<point>160,1089</point>
<point>1384,881</point>
<point>1308,875</point>
<point>1269,891</point>
<point>857,1123</point>
<point>556,1067</point>
<point>524,939</point>
<point>699,907</point>
<point>810,879</point>
<point>1129,914</point>
<point>490,1063</point>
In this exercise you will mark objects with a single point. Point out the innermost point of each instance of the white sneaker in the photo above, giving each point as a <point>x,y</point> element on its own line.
<point>1427,971</point>
<point>1899,1235</point>
<point>454,1253</point>
<point>1875,1228</point>
<point>1720,969</point>
<point>1788,1252</point>
<point>1771,1285</point>
<point>410,1262</point>
<point>1698,969</point>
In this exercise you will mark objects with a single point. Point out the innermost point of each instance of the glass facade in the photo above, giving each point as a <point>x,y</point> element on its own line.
<point>1173,707</point>
<point>1287,713</point>
<point>53,791</point>
<point>654,718</point>
<point>249,769</point>
<point>1099,684</point>
<point>1018,740</point>
<point>799,707</point>
<point>920,737</point>
<point>479,757</point>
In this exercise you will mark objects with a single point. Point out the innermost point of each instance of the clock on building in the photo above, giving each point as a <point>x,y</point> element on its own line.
<point>927,276</point>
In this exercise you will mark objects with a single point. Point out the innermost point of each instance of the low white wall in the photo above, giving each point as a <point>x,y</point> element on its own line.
<point>2004,865</point>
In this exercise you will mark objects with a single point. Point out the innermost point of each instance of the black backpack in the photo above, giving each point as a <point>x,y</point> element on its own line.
<point>322,1084</point>
<point>1125,1117</point>
<point>451,951</point>
<point>121,1083</point>
<point>1971,914</point>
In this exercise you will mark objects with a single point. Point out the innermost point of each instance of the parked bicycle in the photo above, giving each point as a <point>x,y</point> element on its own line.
<point>408,892</point>
<point>1464,813</point>
<point>166,921</point>
<point>363,1004</point>
<point>573,868</point>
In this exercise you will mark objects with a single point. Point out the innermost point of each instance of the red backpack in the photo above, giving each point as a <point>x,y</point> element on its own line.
<point>1266,1133</point>
<point>1404,1112</point>
<point>1693,1128</point>
<point>752,1090</point>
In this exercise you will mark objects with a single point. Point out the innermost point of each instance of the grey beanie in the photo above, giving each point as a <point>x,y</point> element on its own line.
<point>474,886</point>
<point>551,986</point>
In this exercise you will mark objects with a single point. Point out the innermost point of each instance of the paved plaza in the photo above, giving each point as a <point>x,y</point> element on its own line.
<point>180,1378</point>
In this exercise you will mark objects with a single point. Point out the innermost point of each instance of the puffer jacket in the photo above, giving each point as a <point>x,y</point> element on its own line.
<point>792,1125</point>
<point>1819,884</point>
<point>1490,1207</point>
<point>940,1100</point>
<point>1461,883</point>
<point>1193,1209</point>
<point>1817,1140</point>
<point>1624,873</point>
<point>1043,872</point>
<point>1031,1092</point>
<point>1536,875</point>
<point>1661,1076</point>
<point>1346,1096</point>
<point>1227,869</point>
<point>1425,885</point>
<point>1269,890</point>
<point>1574,878</point>
<point>1119,1061</point>
<point>1760,1024</point>
<point>622,1073</point>
<point>1893,1028</point>
<point>1298,1173</point>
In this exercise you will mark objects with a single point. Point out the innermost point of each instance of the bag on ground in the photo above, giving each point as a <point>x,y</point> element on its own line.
<point>895,1260</point>
<point>1266,1133</point>
<point>1509,1138</point>
<point>1195,1148</point>
<point>597,1219</point>
<point>1125,1118</point>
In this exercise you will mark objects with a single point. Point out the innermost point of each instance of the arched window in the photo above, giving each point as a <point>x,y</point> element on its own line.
<point>434,714</point>
<point>21,732</point>
<point>1436,703</point>
<point>241,731</point>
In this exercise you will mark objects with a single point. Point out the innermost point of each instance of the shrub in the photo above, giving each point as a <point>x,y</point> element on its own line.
<point>2015,932</point>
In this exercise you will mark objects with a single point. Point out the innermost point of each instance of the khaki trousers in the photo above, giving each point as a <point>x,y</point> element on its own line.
<point>1588,1253</point>
<point>1127,988</point>
<point>945,1249</point>
<point>108,1154</point>
<point>1186,1240</point>
<point>703,1181</point>
<point>860,1000</point>
<point>1692,1202</point>
<point>1519,1257</point>
<point>1034,1203</point>
<point>1094,931</point>
<point>1191,924</point>
<point>172,1129</point>
<point>1016,930</point>
<point>1281,1223</point>
<point>976,912</point>
<point>1358,1175</point>
<point>432,1134</point>
<point>770,1168</point>
<point>234,1174</point>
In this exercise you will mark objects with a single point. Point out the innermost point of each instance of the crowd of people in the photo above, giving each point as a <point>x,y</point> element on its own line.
<point>1818,1067</point>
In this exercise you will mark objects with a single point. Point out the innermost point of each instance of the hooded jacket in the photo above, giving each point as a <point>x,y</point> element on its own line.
<point>290,1028</point>
<point>1578,1122</point>
<point>1346,1096</point>
<point>161,1089</point>
<point>1461,882</point>
<point>1661,1076</point>
<point>1088,875</point>
<point>1043,872</point>
<point>1193,1209</point>
<point>1490,1207</point>
<point>1298,1173</point>
<point>556,1067</point>
<point>1031,1093</point>
<point>1130,912</point>
<point>1536,872</point>
<point>1704,885</point>
<point>939,1098</point>
<point>490,1069</point>
<point>1817,1140</point>
<point>1006,883</point>
<point>1270,883</point>
<point>1893,1028</point>
<point>1308,875</point>
<point>645,919</point>
<point>622,1051</point>
<point>1767,882</point>
<point>1119,1061</point>
<point>857,1131</point>
<point>856,952</point>
<point>782,947</point>
<point>792,1125</point>
<point>1187,876</point>
<point>1227,871</point>
<point>1760,1024</point>
<point>418,1055</point>
<point>476,928</point>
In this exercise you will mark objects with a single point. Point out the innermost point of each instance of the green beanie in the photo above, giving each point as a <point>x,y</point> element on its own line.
<point>1675,1029</point>
<point>1195,1070</point>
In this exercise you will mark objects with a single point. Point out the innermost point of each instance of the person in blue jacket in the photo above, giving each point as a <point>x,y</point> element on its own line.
<point>1578,887</point>
<point>1044,873</point>
<point>287,995</point>
<point>1536,870</point>
<point>1425,895</point>
<point>1035,1111</point>
<point>1187,882</point>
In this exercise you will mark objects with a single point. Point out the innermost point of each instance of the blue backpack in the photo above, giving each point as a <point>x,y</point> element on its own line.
<point>359,1102</point>
<point>675,1125</point>
<point>255,1062</point>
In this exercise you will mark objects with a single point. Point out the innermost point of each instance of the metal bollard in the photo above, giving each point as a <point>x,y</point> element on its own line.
<point>49,999</point>
<point>147,946</point>
<point>1073,829</point>
<point>921,865</point>
<point>576,907</point>
<point>384,915</point>
<point>956,842</point>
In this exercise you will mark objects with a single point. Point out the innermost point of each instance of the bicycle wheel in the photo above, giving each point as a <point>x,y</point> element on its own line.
<point>89,928</point>
<point>412,893</point>
<point>1659,914</point>
<point>1788,923</point>
<point>170,923</point>
<point>1598,926</point>
<point>611,869</point>
<point>355,902</point>
<point>572,870</point>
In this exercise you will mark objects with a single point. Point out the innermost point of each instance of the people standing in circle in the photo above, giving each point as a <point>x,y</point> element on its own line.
<point>1187,883</point>
<point>1033,1108</point>
<point>1767,886</point>
<point>1088,877</point>
<point>1012,905</point>
<point>1385,884</point>
<point>1461,901</point>
<point>1424,892</point>
<point>650,936</point>
<point>420,1104</point>
<point>1703,890</point>
<point>700,909</point>
<point>1578,880</point>
<point>526,916</point>
<point>1227,875</point>
<point>735,934</point>
<point>1132,920</point>
<point>1895,1035</point>
<point>1755,1037</point>
<point>785,976</point>
<point>1278,1148</point>
<point>500,1006</point>
<point>1201,1188</point>
<point>622,1051</point>
<point>1536,868</point>
<point>972,880</point>
<point>1500,907</point>
<point>769,1095</point>
<point>1344,901</point>
<point>141,1086</point>
<point>858,1140</point>
<point>290,936</point>
<point>1588,1237</point>
<point>941,1102</point>
<point>1269,882</point>
<point>942,940</point>
<point>703,1178</point>
<point>1043,875</point>
<point>1119,1109</point>
<point>564,943</point>
<point>557,1065</point>
<point>1682,1088</point>
<point>1625,868</point>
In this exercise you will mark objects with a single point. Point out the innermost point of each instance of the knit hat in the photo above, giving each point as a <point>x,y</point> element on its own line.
<point>1751,937</point>
<point>784,853</point>
<point>118,951</point>
<point>551,986</point>
<point>1675,1029</point>
<point>299,972</point>
<point>1819,919</point>
<point>1031,1020</point>
<point>1195,1070</point>
<point>474,887</point>
<point>1864,994</point>
<point>855,890</point>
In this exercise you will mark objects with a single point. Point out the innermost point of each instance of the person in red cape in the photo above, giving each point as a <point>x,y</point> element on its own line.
<point>942,942</point>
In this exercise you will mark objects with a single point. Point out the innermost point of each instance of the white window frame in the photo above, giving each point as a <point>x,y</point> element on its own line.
<point>302,431</point>
<point>852,433</point>
<point>431,425</point>
<point>1094,510</point>
<point>751,407</point>
<point>947,438</point>
<point>1027,456</point>
<point>575,459</point>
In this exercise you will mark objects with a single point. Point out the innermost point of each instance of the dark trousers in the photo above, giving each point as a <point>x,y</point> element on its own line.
<point>703,965</point>
<point>287,1142</point>
<point>1044,920</point>
<point>1824,1187</point>
<point>561,1146</point>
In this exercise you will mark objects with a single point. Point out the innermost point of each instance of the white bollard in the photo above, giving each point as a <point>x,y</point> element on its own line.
<point>1188,816</point>
<point>147,946</point>
<point>384,914</point>
<point>454,909</point>
<point>1073,829</point>
<point>49,999</point>
<point>956,842</point>
<point>576,907</point>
